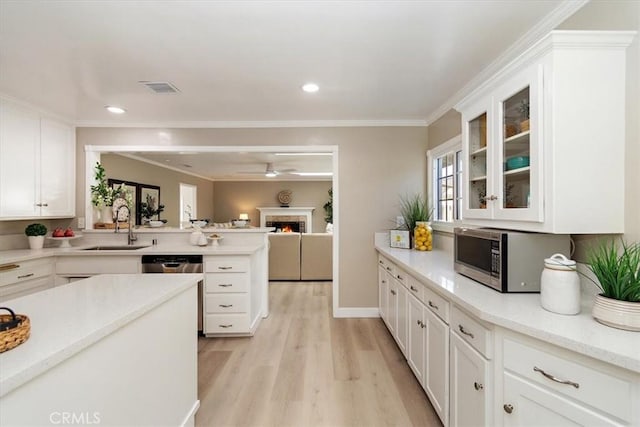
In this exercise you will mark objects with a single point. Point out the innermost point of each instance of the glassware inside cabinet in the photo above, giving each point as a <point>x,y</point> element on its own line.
<point>516,152</point>
<point>478,162</point>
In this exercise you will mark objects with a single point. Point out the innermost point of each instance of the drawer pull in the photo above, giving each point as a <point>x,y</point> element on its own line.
<point>8,267</point>
<point>413,288</point>
<point>478,386</point>
<point>384,281</point>
<point>24,276</point>
<point>225,285</point>
<point>399,277</point>
<point>393,292</point>
<point>388,268</point>
<point>432,305</point>
<point>225,268</point>
<point>381,262</point>
<point>464,331</point>
<point>421,323</point>
<point>45,204</point>
<point>225,305</point>
<point>552,378</point>
<point>226,326</point>
<point>508,408</point>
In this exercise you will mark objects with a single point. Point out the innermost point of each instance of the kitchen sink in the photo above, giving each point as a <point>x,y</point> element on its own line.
<point>116,248</point>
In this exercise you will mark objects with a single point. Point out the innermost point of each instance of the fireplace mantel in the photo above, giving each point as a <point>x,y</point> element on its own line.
<point>302,211</point>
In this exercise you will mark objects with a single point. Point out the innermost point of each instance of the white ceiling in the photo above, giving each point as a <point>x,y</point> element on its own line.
<point>242,63</point>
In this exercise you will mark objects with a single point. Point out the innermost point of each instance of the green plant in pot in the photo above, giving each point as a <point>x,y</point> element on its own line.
<point>35,234</point>
<point>102,195</point>
<point>618,274</point>
<point>328,211</point>
<point>414,209</point>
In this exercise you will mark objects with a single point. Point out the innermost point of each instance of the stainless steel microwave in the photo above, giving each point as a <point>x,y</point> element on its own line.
<point>507,261</point>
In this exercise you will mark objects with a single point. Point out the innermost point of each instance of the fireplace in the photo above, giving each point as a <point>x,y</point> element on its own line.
<point>287,219</point>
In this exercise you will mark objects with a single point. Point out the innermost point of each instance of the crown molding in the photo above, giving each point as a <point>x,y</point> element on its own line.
<point>256,124</point>
<point>529,39</point>
<point>37,109</point>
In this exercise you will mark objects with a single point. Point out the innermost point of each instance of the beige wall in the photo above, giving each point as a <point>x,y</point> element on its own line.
<point>127,169</point>
<point>233,197</point>
<point>376,165</point>
<point>446,127</point>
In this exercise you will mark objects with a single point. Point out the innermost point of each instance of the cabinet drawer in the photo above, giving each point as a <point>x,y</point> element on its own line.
<point>437,304</point>
<point>415,288</point>
<point>227,303</point>
<point>16,290</point>
<point>226,264</point>
<point>402,277</point>
<point>226,323</point>
<point>609,393</point>
<point>226,282</point>
<point>23,271</point>
<point>473,332</point>
<point>387,265</point>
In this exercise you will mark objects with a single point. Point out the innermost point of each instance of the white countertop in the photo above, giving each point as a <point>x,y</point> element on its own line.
<point>18,255</point>
<point>518,312</point>
<point>69,318</point>
<point>163,230</point>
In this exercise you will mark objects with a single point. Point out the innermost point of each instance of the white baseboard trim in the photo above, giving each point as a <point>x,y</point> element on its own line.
<point>356,312</point>
<point>189,420</point>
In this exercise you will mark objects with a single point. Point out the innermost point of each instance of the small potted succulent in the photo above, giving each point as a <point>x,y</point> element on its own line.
<point>416,215</point>
<point>618,274</point>
<point>35,233</point>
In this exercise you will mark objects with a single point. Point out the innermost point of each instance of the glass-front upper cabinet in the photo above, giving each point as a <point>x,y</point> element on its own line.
<point>501,150</point>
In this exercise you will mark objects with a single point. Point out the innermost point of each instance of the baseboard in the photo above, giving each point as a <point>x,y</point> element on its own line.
<point>189,419</point>
<point>356,312</point>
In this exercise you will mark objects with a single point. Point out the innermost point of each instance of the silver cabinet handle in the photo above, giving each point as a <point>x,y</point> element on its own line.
<point>388,268</point>
<point>24,276</point>
<point>8,267</point>
<point>432,305</point>
<point>45,204</point>
<point>384,281</point>
<point>508,408</point>
<point>423,325</point>
<point>225,305</point>
<point>393,292</point>
<point>464,331</point>
<point>225,268</point>
<point>226,326</point>
<point>478,386</point>
<point>225,285</point>
<point>492,197</point>
<point>419,322</point>
<point>38,204</point>
<point>381,262</point>
<point>557,380</point>
<point>413,289</point>
<point>399,277</point>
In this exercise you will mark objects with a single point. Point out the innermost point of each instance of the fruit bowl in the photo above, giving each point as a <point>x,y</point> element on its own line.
<point>155,224</point>
<point>64,241</point>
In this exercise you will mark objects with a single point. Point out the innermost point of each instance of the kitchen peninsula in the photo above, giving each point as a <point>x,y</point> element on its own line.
<point>110,349</point>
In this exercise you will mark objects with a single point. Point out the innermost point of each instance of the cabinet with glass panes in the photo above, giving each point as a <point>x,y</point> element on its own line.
<point>535,134</point>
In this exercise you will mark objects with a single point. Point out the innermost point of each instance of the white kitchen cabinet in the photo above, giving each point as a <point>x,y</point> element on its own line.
<point>402,319</point>
<point>545,385</point>
<point>383,294</point>
<point>24,278</point>
<point>416,321</point>
<point>37,165</point>
<point>231,300</point>
<point>392,324</point>
<point>436,381</point>
<point>533,138</point>
<point>470,399</point>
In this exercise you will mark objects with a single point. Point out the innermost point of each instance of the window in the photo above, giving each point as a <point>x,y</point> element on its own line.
<point>445,181</point>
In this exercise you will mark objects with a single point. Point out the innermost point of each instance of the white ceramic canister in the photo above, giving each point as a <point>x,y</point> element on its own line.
<point>560,285</point>
<point>194,238</point>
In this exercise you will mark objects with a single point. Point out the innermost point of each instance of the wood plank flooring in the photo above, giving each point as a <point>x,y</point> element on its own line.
<point>305,368</point>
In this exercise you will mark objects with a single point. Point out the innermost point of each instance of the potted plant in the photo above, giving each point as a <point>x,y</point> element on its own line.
<point>102,195</point>
<point>523,108</point>
<point>415,212</point>
<point>148,209</point>
<point>328,208</point>
<point>618,274</point>
<point>35,233</point>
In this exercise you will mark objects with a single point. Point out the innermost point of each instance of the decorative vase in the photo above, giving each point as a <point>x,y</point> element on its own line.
<point>617,314</point>
<point>36,242</point>
<point>423,236</point>
<point>106,215</point>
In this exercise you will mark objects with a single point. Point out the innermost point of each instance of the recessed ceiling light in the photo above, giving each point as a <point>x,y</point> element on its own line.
<point>310,87</point>
<point>115,110</point>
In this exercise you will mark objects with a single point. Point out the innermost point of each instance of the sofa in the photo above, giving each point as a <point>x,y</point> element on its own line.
<point>296,256</point>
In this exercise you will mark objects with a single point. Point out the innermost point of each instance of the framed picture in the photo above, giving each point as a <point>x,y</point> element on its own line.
<point>399,239</point>
<point>132,187</point>
<point>150,195</point>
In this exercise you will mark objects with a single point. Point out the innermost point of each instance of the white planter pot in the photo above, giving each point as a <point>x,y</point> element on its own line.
<point>36,242</point>
<point>617,314</point>
<point>106,215</point>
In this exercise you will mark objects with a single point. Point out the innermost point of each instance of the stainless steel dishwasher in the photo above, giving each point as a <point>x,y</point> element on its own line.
<point>176,264</point>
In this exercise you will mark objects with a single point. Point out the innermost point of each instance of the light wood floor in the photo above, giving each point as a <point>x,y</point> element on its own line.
<point>305,368</point>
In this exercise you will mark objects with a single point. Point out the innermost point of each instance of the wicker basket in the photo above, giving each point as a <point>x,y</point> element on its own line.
<point>16,334</point>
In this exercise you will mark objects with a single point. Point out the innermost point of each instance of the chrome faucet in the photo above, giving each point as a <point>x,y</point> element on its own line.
<point>130,237</point>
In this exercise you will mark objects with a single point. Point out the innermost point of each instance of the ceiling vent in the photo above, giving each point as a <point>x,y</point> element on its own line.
<point>161,87</point>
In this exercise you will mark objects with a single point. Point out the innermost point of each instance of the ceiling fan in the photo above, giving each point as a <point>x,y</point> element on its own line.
<point>269,171</point>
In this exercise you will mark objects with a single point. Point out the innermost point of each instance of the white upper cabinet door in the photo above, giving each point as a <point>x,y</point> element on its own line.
<point>19,159</point>
<point>57,169</point>
<point>518,156</point>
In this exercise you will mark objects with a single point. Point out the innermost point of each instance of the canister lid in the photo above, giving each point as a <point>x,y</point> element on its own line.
<point>559,262</point>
